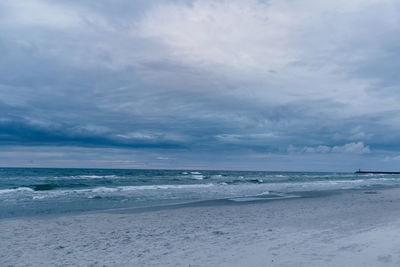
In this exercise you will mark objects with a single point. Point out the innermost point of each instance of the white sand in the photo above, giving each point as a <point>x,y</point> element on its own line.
<point>351,229</point>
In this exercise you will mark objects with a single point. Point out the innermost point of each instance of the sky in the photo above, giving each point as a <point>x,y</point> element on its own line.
<point>280,85</point>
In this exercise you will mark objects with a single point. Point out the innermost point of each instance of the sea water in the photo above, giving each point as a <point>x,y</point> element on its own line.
<point>36,191</point>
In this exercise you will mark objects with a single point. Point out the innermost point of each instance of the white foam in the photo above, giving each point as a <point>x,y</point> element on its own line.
<point>104,189</point>
<point>195,172</point>
<point>163,187</point>
<point>101,189</point>
<point>14,190</point>
<point>264,193</point>
<point>197,177</point>
<point>38,197</point>
<point>96,176</point>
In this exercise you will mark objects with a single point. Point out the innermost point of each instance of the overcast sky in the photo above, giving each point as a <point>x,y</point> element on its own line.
<point>202,84</point>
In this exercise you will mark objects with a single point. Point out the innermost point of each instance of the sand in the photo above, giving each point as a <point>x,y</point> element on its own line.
<point>354,228</point>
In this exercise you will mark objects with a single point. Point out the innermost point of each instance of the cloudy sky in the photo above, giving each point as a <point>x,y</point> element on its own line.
<point>200,84</point>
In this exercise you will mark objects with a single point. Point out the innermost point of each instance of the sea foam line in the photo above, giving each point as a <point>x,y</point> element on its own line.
<point>14,190</point>
<point>103,189</point>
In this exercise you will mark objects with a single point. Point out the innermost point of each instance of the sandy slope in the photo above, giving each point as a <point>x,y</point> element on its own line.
<point>351,229</point>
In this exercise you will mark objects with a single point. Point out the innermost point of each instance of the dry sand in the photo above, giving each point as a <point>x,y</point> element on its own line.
<point>355,228</point>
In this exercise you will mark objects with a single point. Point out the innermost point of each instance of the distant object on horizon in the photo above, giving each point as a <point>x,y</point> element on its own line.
<point>374,172</point>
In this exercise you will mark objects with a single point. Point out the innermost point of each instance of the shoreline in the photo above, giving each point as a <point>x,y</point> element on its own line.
<point>255,199</point>
<point>351,228</point>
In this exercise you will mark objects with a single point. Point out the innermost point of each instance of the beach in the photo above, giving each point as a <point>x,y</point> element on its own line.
<point>199,133</point>
<point>338,228</point>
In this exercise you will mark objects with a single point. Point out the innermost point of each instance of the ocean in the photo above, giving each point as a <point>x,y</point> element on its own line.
<point>43,191</point>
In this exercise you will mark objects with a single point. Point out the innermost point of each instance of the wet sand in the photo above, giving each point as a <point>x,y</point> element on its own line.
<point>351,228</point>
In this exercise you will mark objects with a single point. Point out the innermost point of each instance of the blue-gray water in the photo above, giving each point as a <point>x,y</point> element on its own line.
<point>26,192</point>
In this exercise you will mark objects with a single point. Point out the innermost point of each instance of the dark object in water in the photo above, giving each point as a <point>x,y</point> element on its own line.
<point>368,172</point>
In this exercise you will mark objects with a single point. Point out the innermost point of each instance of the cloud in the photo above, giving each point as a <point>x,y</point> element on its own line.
<point>30,134</point>
<point>318,149</point>
<point>217,79</point>
<point>210,33</point>
<point>38,13</point>
<point>350,148</point>
<point>358,148</point>
<point>280,51</point>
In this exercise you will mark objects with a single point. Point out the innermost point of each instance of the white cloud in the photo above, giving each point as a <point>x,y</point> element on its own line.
<point>350,148</point>
<point>278,52</point>
<point>261,36</point>
<point>318,149</point>
<point>244,138</point>
<point>238,34</point>
<point>165,158</point>
<point>356,148</point>
<point>152,136</point>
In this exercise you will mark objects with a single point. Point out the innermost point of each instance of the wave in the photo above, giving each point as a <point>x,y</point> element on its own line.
<point>102,189</point>
<point>193,175</point>
<point>47,187</point>
<point>251,181</point>
<point>146,187</point>
<point>258,186</point>
<point>95,176</point>
<point>14,190</point>
<point>197,177</point>
<point>43,187</point>
<point>265,193</point>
